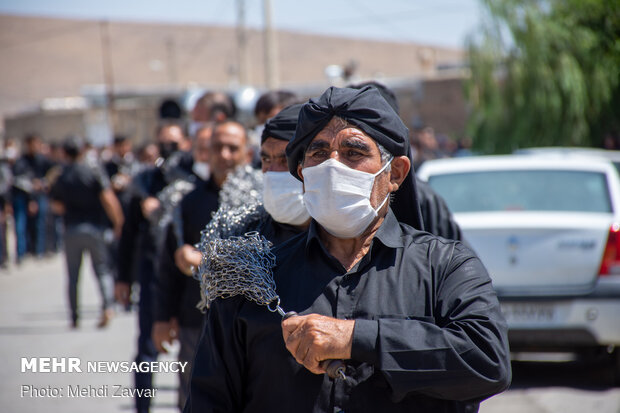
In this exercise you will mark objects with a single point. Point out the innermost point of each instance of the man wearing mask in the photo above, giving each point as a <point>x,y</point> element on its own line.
<point>176,292</point>
<point>286,214</point>
<point>413,317</point>
<point>140,241</point>
<point>282,193</point>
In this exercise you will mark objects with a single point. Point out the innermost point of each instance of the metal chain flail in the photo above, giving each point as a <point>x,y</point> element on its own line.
<point>242,186</point>
<point>240,211</point>
<point>243,266</point>
<point>169,198</point>
<point>240,266</point>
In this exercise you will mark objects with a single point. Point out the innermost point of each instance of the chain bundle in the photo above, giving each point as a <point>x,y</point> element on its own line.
<point>242,186</point>
<point>239,265</point>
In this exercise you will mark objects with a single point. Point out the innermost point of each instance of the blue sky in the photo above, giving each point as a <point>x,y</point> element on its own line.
<point>439,22</point>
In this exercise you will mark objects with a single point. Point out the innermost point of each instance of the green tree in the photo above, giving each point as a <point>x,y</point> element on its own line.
<point>545,73</point>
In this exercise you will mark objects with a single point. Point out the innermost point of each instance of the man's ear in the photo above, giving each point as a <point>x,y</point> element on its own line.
<point>299,172</point>
<point>398,171</point>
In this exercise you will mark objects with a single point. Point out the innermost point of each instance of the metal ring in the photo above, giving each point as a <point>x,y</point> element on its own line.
<point>275,308</point>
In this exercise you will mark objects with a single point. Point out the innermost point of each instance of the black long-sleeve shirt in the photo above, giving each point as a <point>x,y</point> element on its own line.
<point>176,294</point>
<point>276,232</point>
<point>429,335</point>
<point>138,236</point>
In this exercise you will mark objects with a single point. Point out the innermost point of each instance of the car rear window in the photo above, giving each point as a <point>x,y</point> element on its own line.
<point>524,190</point>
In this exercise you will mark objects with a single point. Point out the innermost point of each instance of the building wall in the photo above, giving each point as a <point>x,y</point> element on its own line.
<point>439,103</point>
<point>51,126</point>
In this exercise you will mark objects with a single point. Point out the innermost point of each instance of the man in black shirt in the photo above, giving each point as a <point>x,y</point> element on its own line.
<point>141,242</point>
<point>82,194</point>
<point>413,316</point>
<point>282,194</point>
<point>176,292</point>
<point>285,215</point>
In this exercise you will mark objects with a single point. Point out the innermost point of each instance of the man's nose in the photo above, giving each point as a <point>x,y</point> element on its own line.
<point>226,153</point>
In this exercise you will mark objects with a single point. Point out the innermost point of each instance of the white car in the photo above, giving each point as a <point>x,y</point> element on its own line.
<point>548,230</point>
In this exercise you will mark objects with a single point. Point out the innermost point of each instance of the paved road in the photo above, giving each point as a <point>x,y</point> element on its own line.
<point>34,323</point>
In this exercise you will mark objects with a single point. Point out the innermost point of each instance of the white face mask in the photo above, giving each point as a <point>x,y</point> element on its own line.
<point>338,197</point>
<point>283,199</point>
<point>201,169</point>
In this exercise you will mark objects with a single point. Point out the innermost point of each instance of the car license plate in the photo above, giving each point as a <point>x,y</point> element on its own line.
<point>519,313</point>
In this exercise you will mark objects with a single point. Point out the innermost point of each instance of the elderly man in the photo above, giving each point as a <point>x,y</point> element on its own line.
<point>413,316</point>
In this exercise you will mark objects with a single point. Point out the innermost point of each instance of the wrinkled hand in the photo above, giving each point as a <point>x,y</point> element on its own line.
<point>149,205</point>
<point>186,257</point>
<point>122,292</point>
<point>164,332</point>
<point>313,338</point>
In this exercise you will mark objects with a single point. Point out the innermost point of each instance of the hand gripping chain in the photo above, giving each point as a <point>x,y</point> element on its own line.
<point>243,266</point>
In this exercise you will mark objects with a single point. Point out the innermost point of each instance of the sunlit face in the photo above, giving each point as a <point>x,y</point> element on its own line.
<point>171,134</point>
<point>273,156</point>
<point>227,150</point>
<point>352,147</point>
<point>202,144</point>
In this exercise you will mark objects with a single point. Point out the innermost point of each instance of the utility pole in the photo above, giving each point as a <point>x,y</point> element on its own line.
<point>243,68</point>
<point>108,76</point>
<point>271,49</point>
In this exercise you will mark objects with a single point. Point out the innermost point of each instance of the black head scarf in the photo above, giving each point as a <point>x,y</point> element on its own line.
<point>282,126</point>
<point>367,110</point>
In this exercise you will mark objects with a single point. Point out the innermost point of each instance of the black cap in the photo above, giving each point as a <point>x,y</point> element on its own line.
<point>282,126</point>
<point>364,108</point>
<point>367,110</point>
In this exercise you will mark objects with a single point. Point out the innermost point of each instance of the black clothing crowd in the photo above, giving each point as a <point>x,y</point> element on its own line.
<point>429,335</point>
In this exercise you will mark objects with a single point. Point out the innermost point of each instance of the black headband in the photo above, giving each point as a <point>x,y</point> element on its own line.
<point>364,108</point>
<point>282,126</point>
<point>367,110</point>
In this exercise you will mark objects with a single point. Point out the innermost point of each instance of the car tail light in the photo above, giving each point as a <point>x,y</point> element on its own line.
<point>611,256</point>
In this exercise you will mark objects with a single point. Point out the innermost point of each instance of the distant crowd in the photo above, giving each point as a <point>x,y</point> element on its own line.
<point>29,166</point>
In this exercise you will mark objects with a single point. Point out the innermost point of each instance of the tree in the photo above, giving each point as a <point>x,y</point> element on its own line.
<point>545,73</point>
